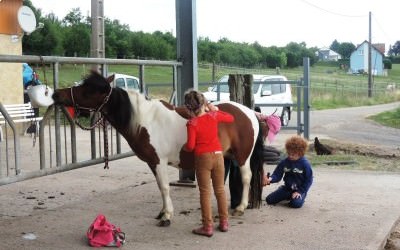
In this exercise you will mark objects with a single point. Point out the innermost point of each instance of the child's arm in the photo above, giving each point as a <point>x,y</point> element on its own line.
<point>308,178</point>
<point>277,175</point>
<point>191,138</point>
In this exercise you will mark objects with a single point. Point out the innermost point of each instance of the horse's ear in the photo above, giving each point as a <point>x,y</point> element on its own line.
<point>110,79</point>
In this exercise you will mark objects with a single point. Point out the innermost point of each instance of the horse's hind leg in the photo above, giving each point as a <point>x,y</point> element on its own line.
<point>167,210</point>
<point>246,178</point>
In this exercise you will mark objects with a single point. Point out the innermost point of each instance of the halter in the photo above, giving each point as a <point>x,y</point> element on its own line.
<point>77,108</point>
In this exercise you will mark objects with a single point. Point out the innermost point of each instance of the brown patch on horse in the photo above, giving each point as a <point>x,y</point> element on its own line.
<point>236,138</point>
<point>140,144</point>
<point>182,110</point>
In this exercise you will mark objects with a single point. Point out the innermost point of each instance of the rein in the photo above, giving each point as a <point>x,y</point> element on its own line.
<point>100,120</point>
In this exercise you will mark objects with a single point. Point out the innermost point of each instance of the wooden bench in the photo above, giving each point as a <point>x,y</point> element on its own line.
<point>20,113</point>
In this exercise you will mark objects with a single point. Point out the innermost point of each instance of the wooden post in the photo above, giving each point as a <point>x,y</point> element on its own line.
<point>240,89</point>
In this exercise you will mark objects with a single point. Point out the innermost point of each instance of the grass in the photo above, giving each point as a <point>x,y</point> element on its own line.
<point>331,87</point>
<point>351,156</point>
<point>356,162</point>
<point>388,118</point>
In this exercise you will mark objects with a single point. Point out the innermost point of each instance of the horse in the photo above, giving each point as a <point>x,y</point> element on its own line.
<point>156,132</point>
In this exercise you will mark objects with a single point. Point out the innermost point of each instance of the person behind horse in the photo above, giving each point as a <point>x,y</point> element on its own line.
<point>202,131</point>
<point>296,172</point>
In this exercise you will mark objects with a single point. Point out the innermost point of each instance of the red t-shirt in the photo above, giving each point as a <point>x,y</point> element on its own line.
<point>202,132</point>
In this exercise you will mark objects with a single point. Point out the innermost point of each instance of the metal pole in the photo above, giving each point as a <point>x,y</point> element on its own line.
<point>298,92</point>
<point>186,43</point>
<point>57,123</point>
<point>306,97</point>
<point>17,146</point>
<point>370,59</point>
<point>141,79</point>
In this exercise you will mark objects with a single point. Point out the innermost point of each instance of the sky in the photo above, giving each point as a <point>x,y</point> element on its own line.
<point>270,23</point>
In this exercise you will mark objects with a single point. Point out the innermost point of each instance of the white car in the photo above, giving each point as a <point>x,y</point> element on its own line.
<point>126,82</point>
<point>264,93</point>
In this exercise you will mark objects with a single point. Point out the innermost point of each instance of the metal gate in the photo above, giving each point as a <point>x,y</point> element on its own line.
<point>58,141</point>
<point>59,146</point>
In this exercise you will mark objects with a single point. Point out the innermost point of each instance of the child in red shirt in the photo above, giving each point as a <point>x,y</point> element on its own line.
<point>202,131</point>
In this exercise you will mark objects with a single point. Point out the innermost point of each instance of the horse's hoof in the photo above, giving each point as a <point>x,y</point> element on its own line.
<point>164,223</point>
<point>237,213</point>
<point>159,216</point>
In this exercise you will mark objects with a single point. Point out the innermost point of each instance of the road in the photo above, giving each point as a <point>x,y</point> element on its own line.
<point>351,125</point>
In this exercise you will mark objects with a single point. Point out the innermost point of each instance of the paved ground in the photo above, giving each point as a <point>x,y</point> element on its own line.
<point>344,210</point>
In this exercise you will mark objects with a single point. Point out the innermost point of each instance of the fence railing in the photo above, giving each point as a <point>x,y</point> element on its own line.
<point>61,146</point>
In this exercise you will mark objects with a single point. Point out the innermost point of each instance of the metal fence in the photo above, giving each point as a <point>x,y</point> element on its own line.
<point>61,146</point>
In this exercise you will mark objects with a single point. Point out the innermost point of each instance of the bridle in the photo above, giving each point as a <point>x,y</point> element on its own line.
<point>100,119</point>
<point>97,110</point>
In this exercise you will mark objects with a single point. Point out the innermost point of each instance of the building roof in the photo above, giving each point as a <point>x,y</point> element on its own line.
<point>380,47</point>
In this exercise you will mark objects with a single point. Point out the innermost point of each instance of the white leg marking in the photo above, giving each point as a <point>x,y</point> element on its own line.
<point>246,178</point>
<point>163,185</point>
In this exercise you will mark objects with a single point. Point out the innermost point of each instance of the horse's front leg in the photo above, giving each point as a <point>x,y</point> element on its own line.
<point>246,178</point>
<point>167,210</point>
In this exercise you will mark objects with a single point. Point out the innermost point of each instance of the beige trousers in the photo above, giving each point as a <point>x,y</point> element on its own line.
<point>210,167</point>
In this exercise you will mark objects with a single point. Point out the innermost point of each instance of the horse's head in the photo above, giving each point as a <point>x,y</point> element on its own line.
<point>91,94</point>
<point>95,94</point>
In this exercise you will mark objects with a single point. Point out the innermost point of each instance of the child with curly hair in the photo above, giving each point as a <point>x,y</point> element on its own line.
<point>202,131</point>
<point>296,172</point>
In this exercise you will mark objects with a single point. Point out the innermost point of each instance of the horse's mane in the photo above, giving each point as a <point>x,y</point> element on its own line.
<point>120,108</point>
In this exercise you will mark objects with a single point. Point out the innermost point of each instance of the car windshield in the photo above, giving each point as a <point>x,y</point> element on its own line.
<point>224,88</point>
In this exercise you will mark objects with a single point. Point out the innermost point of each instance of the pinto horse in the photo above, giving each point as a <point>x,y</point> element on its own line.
<point>156,132</point>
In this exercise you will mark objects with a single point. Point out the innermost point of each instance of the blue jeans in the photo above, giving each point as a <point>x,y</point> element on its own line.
<point>284,193</point>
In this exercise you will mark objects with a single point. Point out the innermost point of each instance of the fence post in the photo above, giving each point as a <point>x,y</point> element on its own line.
<point>57,123</point>
<point>306,97</point>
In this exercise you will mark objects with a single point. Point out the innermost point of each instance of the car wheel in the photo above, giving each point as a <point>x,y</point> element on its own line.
<point>285,117</point>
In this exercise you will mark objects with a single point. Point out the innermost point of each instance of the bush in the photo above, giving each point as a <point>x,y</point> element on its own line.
<point>387,64</point>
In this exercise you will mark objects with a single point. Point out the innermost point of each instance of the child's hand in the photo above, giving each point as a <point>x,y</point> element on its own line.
<point>296,195</point>
<point>211,107</point>
<point>266,180</point>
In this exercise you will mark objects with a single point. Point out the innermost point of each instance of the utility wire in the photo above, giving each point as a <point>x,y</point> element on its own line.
<point>381,28</point>
<point>332,12</point>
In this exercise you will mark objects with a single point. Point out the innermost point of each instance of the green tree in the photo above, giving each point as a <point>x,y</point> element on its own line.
<point>117,39</point>
<point>46,40</point>
<point>345,50</point>
<point>395,49</point>
<point>73,17</point>
<point>335,46</point>
<point>77,40</point>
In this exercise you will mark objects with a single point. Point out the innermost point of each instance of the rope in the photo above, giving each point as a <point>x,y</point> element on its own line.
<point>99,121</point>
<point>105,134</point>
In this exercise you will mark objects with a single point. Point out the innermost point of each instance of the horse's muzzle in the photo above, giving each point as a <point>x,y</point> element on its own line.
<point>61,97</point>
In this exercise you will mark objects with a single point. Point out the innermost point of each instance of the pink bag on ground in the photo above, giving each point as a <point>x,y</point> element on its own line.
<point>104,234</point>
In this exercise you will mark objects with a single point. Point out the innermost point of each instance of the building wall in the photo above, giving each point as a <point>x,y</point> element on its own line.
<point>10,73</point>
<point>359,61</point>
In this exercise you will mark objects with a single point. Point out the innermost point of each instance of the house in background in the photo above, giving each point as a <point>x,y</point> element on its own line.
<point>326,54</point>
<point>359,59</point>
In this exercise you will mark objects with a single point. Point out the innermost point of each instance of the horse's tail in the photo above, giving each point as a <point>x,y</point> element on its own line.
<point>257,170</point>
